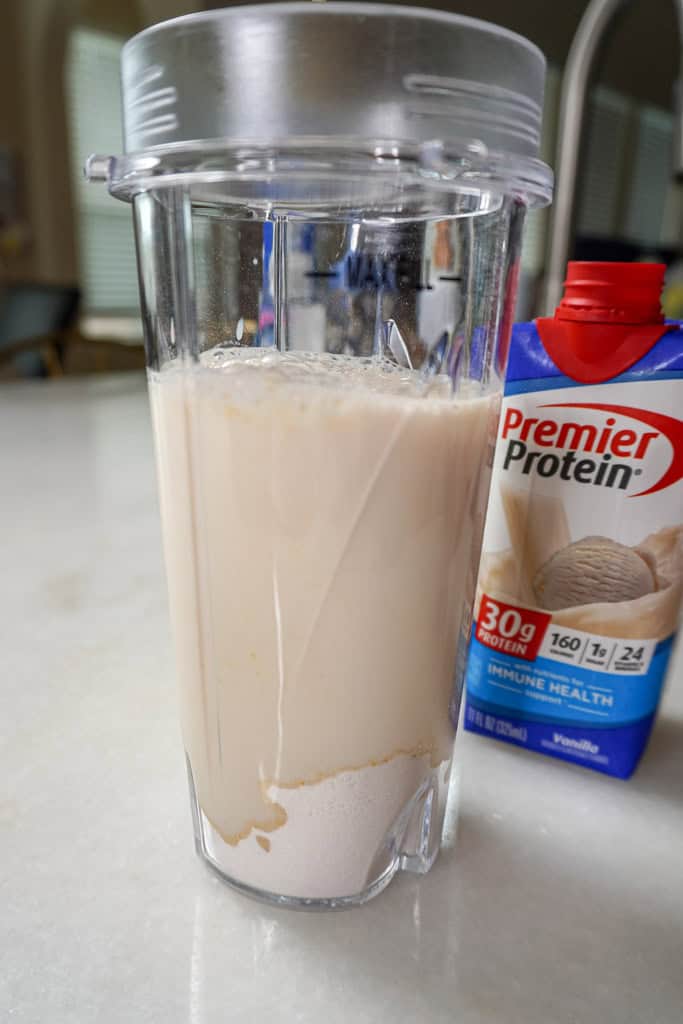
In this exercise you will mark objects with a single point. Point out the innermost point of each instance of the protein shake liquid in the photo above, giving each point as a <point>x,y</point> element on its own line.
<point>580,583</point>
<point>320,524</point>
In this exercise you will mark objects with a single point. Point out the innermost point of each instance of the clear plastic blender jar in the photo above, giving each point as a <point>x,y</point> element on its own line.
<point>328,205</point>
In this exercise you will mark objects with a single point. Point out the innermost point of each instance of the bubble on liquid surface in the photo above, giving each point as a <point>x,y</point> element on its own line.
<point>325,370</point>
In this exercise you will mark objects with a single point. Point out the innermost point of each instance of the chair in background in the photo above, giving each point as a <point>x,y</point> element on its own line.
<point>35,320</point>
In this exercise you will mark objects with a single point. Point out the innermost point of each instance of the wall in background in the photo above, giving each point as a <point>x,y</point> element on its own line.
<point>33,119</point>
<point>13,118</point>
<point>641,56</point>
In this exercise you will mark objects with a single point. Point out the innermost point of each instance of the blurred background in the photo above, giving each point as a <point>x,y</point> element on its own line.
<point>68,286</point>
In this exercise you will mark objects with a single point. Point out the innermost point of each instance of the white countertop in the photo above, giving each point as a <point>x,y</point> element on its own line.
<point>558,900</point>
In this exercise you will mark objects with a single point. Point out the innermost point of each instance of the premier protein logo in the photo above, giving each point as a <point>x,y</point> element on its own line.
<point>608,452</point>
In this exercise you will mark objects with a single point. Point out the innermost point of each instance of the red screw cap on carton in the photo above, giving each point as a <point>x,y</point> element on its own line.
<point>625,293</point>
<point>609,317</point>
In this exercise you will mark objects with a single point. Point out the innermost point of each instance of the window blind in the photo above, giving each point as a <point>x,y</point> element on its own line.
<point>652,171</point>
<point>603,164</point>
<point>104,226</point>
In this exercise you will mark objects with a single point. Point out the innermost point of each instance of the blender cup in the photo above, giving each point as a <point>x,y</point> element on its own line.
<point>328,205</point>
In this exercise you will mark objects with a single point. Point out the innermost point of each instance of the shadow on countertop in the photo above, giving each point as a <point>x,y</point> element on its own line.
<point>660,772</point>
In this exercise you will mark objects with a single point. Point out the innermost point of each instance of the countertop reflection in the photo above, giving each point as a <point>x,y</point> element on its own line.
<point>557,899</point>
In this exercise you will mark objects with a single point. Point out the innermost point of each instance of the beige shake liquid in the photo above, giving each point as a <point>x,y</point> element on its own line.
<point>320,515</point>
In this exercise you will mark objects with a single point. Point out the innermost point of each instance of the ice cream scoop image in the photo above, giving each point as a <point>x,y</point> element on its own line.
<point>590,571</point>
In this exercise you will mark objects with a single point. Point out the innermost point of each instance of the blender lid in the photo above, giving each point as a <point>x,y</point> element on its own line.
<point>268,73</point>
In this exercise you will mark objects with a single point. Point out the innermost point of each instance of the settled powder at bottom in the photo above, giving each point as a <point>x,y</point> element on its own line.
<point>335,829</point>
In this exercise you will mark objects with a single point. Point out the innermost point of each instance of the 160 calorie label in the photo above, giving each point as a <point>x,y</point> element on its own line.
<point>527,633</point>
<point>618,656</point>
